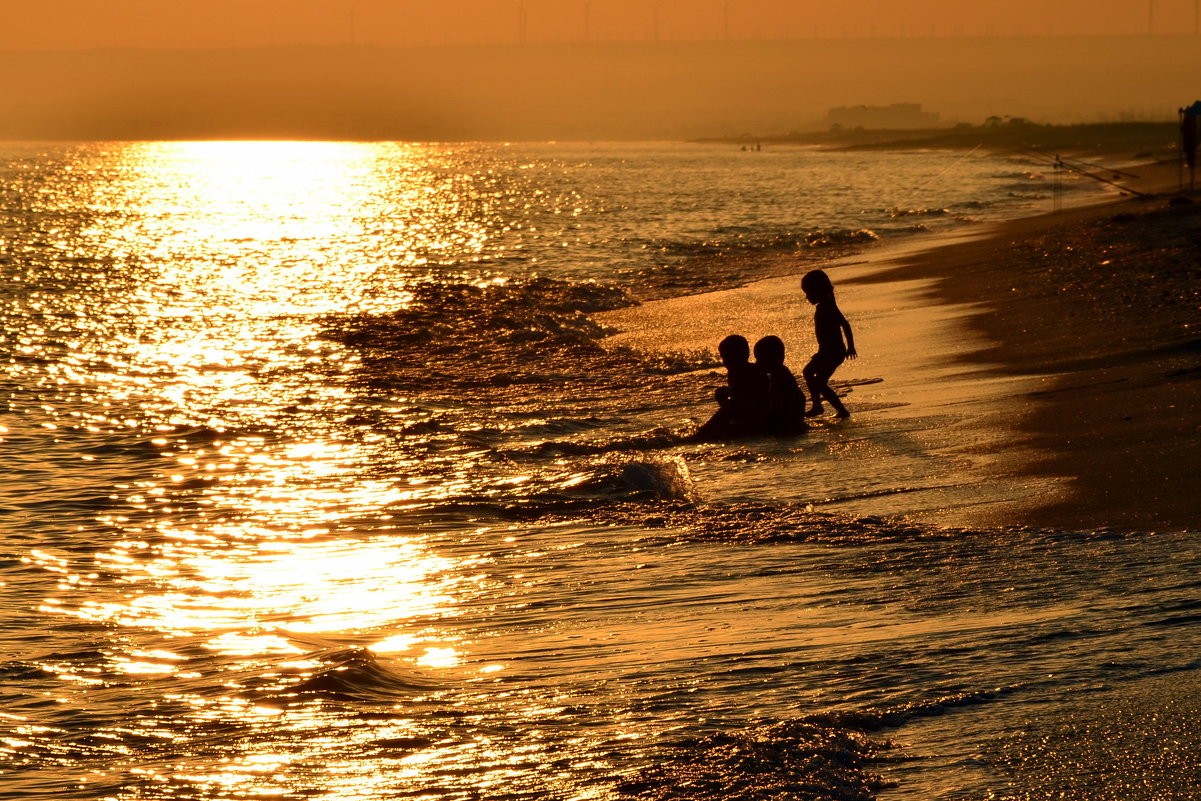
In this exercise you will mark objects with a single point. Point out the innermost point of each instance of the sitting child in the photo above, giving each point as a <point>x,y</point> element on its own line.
<point>743,402</point>
<point>786,401</point>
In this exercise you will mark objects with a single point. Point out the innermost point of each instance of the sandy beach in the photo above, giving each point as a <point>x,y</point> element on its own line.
<point>1050,362</point>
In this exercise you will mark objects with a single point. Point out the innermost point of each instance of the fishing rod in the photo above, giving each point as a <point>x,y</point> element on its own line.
<point>1103,167</point>
<point>925,184</point>
<point>1060,163</point>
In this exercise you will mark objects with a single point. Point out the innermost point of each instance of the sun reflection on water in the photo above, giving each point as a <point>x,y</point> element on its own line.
<point>279,227</point>
<point>310,586</point>
<point>263,616</point>
<point>247,571</point>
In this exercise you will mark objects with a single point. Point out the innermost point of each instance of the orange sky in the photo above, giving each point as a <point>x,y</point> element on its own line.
<point>653,68</point>
<point>55,24</point>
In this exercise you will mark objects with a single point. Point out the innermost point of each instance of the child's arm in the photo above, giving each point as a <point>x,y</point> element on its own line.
<point>846,329</point>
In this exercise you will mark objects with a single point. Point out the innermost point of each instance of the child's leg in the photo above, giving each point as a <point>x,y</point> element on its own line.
<point>830,395</point>
<point>813,380</point>
<point>817,376</point>
<point>716,428</point>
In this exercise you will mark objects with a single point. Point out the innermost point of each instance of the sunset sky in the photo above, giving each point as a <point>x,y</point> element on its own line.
<point>571,69</point>
<point>54,24</point>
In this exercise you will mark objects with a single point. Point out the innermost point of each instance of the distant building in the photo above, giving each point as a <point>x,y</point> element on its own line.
<point>898,115</point>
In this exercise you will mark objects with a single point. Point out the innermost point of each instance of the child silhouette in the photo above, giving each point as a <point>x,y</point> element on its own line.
<point>742,404</point>
<point>785,400</point>
<point>829,325</point>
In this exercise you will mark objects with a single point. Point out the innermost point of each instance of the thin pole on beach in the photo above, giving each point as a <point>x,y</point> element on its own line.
<point>1081,171</point>
<point>1066,164</point>
<point>1057,188</point>
<point>1189,123</point>
<point>1103,167</point>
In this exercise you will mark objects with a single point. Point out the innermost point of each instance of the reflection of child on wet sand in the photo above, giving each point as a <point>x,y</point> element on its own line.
<point>830,326</point>
<point>742,403</point>
<point>786,401</point>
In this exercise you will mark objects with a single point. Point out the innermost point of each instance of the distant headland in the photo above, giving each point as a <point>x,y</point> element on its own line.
<point>1143,141</point>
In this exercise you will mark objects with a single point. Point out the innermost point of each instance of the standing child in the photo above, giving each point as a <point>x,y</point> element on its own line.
<point>830,326</point>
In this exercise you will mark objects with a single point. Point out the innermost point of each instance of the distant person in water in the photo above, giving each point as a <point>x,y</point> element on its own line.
<point>742,404</point>
<point>830,326</point>
<point>785,400</point>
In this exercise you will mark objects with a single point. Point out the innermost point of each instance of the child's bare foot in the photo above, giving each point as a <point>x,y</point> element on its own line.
<point>815,411</point>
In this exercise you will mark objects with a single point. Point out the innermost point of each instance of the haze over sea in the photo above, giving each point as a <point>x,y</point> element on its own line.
<point>321,481</point>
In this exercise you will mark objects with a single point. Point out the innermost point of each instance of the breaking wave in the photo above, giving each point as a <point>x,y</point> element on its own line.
<point>827,756</point>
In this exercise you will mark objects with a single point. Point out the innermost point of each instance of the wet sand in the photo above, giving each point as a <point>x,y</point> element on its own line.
<point>1051,362</point>
<point>1100,307</point>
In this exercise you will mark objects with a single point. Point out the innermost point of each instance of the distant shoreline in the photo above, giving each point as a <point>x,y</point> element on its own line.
<point>1142,141</point>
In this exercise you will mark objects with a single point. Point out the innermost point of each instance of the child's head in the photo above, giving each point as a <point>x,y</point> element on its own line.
<point>769,351</point>
<point>817,286</point>
<point>734,349</point>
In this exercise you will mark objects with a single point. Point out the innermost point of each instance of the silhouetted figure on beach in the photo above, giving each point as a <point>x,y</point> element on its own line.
<point>785,400</point>
<point>829,325</point>
<point>742,404</point>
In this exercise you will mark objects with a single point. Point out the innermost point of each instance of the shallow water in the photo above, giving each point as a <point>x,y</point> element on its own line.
<point>323,479</point>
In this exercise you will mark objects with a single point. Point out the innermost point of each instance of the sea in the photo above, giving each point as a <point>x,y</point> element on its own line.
<point>324,479</point>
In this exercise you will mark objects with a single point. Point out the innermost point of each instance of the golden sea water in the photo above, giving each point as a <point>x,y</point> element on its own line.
<point>320,481</point>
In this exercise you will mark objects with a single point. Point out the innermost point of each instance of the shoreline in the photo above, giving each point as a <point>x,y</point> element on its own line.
<point>1099,306</point>
<point>1070,404</point>
<point>1138,140</point>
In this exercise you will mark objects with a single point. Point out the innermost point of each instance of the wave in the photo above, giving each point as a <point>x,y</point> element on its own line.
<point>1019,175</point>
<point>933,212</point>
<point>612,482</point>
<point>668,513</point>
<point>651,440</point>
<point>736,256</point>
<point>749,523</point>
<point>828,755</point>
<point>666,479</point>
<point>464,335</point>
<point>731,240</point>
<point>354,672</point>
<point>664,519</point>
<point>521,341</point>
